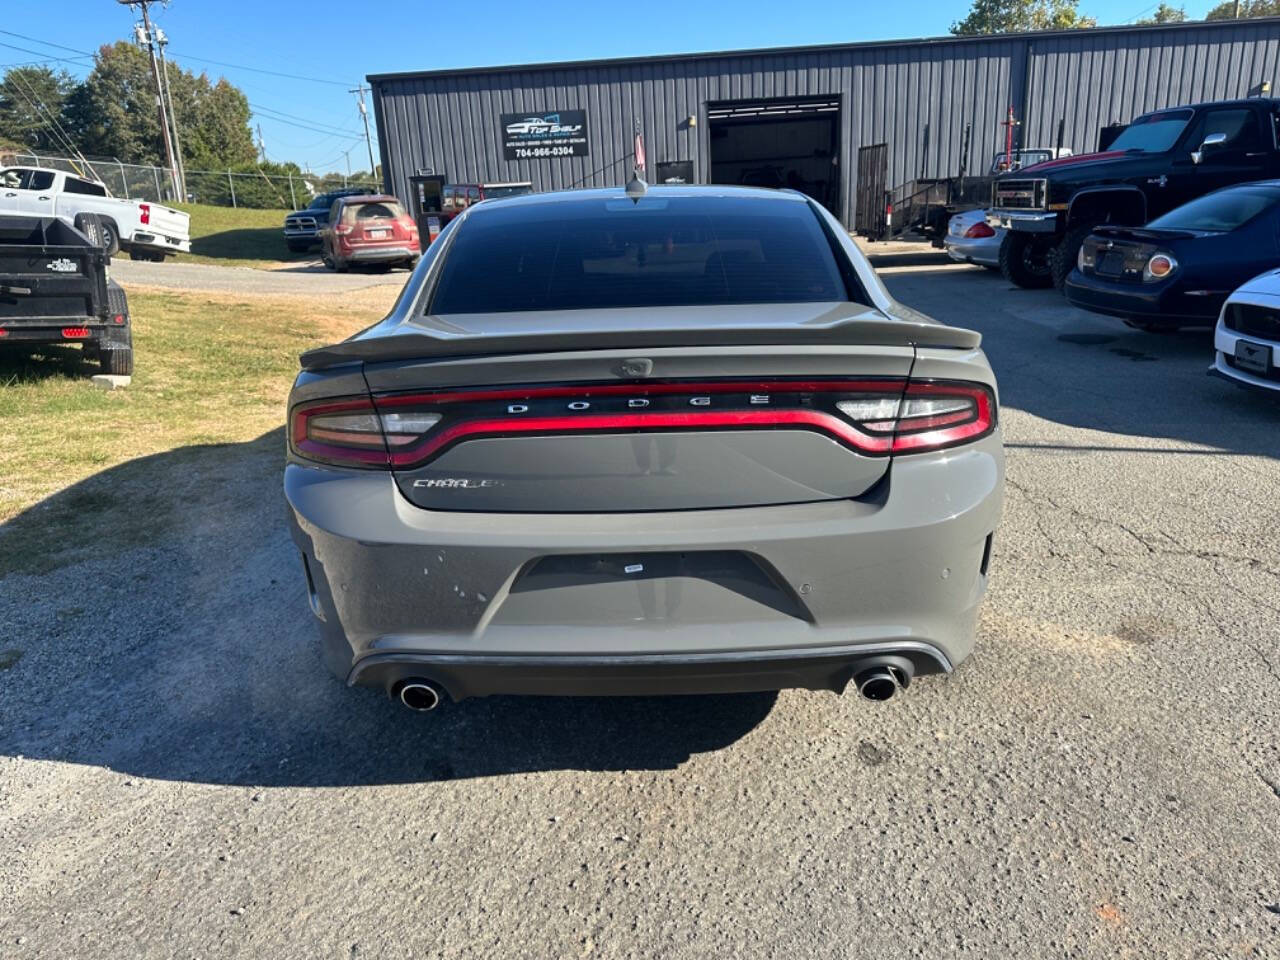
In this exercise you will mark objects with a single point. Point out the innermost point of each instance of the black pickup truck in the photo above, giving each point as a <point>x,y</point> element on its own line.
<point>1160,161</point>
<point>54,288</point>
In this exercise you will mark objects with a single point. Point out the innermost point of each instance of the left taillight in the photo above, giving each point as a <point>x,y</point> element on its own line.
<point>144,213</point>
<point>978,231</point>
<point>352,433</point>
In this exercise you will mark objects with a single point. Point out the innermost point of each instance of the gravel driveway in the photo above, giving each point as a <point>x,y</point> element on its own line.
<point>302,279</point>
<point>179,776</point>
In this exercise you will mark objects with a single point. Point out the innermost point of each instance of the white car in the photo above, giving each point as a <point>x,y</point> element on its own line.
<point>148,231</point>
<point>1247,339</point>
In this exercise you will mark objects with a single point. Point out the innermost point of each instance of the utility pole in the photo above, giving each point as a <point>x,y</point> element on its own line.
<point>144,36</point>
<point>262,147</point>
<point>347,179</point>
<point>364,115</point>
<point>162,41</point>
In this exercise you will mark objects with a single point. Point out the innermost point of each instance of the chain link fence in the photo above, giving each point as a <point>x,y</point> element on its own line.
<point>222,188</point>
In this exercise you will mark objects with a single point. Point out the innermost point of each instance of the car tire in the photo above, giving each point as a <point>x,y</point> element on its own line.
<point>91,225</point>
<point>1062,258</point>
<point>111,238</point>
<point>1024,260</point>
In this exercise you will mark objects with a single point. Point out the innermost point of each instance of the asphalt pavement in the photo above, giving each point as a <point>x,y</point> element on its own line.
<point>180,777</point>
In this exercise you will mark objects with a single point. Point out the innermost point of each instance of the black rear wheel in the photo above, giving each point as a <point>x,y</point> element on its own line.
<point>1024,260</point>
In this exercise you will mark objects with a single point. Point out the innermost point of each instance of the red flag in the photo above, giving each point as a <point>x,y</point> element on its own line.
<point>639,151</point>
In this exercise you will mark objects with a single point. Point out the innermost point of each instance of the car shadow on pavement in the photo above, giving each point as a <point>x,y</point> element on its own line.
<point>177,644</point>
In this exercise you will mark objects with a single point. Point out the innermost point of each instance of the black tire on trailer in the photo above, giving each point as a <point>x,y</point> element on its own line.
<point>116,357</point>
<point>90,224</point>
<point>1062,258</point>
<point>139,255</point>
<point>1024,260</point>
<point>117,361</point>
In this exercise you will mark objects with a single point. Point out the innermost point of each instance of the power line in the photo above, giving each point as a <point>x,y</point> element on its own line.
<point>47,43</point>
<point>272,73</point>
<point>41,53</point>
<point>315,126</point>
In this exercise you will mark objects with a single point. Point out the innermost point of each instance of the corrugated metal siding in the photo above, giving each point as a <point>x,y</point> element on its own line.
<point>1091,82</point>
<point>917,97</point>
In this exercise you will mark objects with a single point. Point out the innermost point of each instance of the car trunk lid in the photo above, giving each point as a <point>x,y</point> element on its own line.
<point>589,411</point>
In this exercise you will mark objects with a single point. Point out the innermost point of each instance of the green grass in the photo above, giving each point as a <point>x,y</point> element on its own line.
<point>239,237</point>
<point>82,467</point>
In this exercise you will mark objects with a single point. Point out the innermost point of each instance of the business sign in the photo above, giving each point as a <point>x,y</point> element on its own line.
<point>535,136</point>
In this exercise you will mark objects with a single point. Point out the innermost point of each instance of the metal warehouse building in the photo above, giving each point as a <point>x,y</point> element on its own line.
<point>800,116</point>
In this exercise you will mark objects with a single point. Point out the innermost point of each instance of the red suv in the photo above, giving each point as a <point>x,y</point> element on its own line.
<point>369,229</point>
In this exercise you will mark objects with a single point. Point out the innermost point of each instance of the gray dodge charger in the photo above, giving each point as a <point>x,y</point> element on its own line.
<point>674,441</point>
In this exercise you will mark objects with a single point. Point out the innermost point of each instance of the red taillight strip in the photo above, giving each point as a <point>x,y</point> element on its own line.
<point>810,419</point>
<point>919,437</point>
<point>646,389</point>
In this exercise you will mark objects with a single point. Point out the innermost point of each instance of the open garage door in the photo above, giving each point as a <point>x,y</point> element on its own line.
<point>782,142</point>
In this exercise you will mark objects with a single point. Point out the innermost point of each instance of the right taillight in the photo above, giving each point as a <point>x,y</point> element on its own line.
<point>931,415</point>
<point>978,231</point>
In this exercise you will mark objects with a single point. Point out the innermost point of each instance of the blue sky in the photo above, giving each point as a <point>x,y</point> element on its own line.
<point>318,124</point>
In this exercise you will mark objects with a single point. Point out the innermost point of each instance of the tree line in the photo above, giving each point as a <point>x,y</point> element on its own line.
<point>112,113</point>
<point>1020,16</point>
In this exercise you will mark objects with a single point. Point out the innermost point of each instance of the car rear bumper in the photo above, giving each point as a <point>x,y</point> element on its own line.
<point>984,251</point>
<point>363,254</point>
<point>454,597</point>
<point>157,241</point>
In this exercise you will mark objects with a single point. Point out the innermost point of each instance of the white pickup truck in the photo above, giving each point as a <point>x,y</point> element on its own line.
<point>147,231</point>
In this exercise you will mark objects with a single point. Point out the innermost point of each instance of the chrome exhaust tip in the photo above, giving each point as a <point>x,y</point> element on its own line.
<point>879,684</point>
<point>419,695</point>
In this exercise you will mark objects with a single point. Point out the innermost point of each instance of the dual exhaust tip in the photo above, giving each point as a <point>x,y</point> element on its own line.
<point>878,681</point>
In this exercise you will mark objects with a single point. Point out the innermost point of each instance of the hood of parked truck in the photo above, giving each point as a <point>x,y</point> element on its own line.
<point>631,327</point>
<point>1073,161</point>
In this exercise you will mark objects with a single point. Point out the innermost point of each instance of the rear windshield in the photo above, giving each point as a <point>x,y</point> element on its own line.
<point>380,210</point>
<point>662,251</point>
<point>1218,212</point>
<point>1154,133</point>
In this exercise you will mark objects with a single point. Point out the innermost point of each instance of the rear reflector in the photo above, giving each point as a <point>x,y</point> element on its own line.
<point>3,332</point>
<point>870,417</point>
<point>75,333</point>
<point>118,318</point>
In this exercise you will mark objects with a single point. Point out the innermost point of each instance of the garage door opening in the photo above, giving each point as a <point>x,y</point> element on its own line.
<point>778,143</point>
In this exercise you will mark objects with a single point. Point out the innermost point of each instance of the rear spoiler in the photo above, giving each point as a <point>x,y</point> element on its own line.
<point>855,331</point>
<point>1140,233</point>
